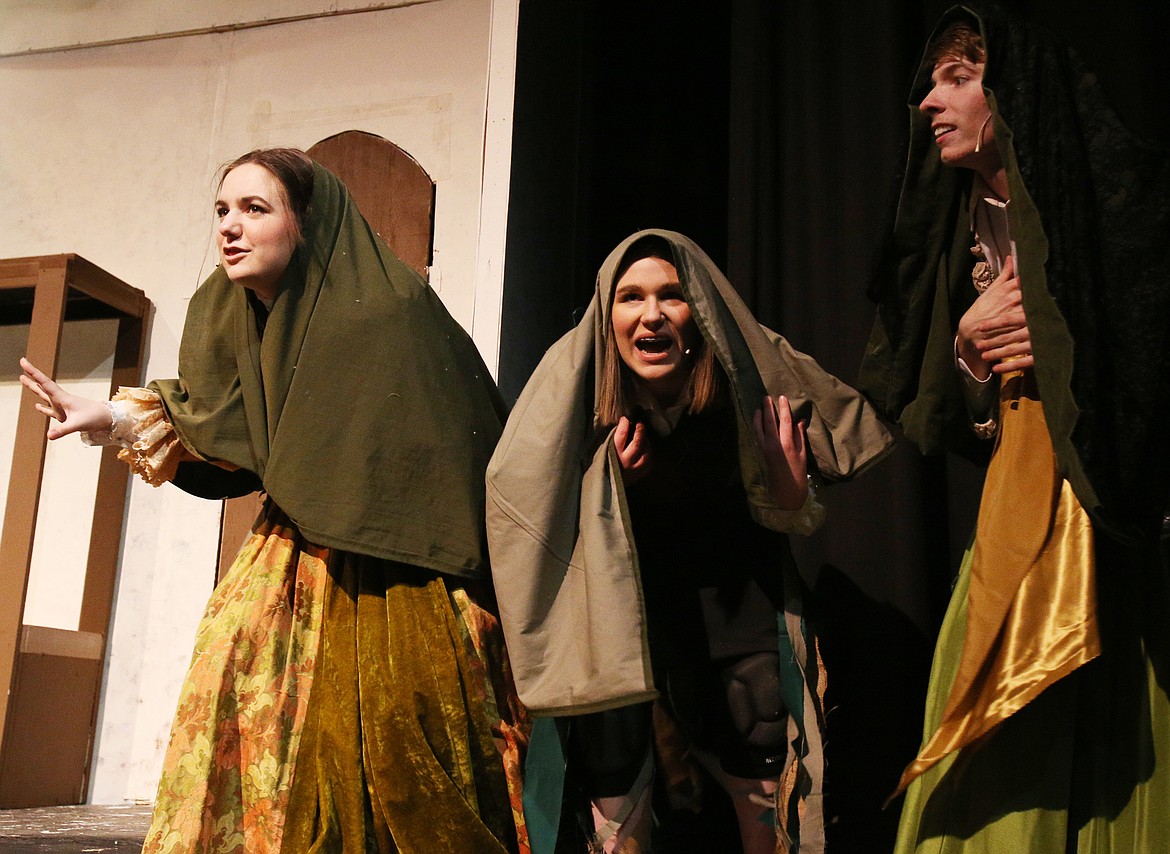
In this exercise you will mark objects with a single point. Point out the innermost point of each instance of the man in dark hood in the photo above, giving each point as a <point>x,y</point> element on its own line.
<point>1029,262</point>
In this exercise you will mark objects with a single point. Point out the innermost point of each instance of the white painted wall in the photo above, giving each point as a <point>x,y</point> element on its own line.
<point>109,151</point>
<point>38,25</point>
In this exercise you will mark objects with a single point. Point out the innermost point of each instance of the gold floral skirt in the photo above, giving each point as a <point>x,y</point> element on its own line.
<point>341,703</point>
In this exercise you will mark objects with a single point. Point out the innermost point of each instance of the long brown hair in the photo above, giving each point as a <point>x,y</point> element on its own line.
<point>615,394</point>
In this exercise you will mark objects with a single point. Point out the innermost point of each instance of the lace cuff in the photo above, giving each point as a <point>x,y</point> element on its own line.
<point>803,520</point>
<point>809,516</point>
<point>981,397</point>
<point>139,425</point>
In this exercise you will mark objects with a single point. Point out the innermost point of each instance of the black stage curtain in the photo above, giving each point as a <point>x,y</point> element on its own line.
<point>817,94</point>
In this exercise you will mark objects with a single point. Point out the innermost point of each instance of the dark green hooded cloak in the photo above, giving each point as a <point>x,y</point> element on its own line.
<point>1090,214</point>
<point>365,411</point>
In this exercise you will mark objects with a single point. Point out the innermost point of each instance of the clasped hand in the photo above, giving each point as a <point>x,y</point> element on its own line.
<point>72,412</point>
<point>993,333</point>
<point>782,441</point>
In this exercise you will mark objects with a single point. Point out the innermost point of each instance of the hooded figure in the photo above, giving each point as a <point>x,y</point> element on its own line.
<point>348,687</point>
<point>611,585</point>
<point>1052,645</point>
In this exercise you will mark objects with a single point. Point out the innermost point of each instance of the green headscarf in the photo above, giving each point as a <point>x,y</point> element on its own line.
<point>365,410</point>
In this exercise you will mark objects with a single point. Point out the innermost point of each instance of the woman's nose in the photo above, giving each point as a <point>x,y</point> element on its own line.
<point>651,311</point>
<point>228,224</point>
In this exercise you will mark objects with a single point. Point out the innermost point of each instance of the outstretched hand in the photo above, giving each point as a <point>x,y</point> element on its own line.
<point>785,452</point>
<point>993,333</point>
<point>73,413</point>
<point>633,450</point>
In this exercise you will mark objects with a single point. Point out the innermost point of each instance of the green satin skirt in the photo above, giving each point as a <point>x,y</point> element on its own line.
<point>1084,767</point>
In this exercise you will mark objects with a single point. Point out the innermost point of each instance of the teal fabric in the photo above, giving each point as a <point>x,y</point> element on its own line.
<point>544,785</point>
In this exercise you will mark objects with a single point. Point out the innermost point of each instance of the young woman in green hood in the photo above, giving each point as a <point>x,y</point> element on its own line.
<point>348,690</point>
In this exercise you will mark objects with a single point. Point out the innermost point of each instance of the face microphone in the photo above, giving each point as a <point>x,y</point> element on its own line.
<point>979,139</point>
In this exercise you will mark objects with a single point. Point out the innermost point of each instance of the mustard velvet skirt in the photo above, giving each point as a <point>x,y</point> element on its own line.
<point>341,703</point>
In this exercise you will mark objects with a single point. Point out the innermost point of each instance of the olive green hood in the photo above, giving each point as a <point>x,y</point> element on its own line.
<point>364,409</point>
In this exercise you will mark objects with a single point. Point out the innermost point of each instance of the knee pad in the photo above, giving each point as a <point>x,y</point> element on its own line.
<point>611,747</point>
<point>758,714</point>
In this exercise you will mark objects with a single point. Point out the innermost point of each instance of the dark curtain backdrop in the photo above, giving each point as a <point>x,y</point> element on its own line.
<point>817,95</point>
<point>768,131</point>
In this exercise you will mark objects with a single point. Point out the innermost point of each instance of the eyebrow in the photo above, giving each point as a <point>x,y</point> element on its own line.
<point>948,69</point>
<point>244,201</point>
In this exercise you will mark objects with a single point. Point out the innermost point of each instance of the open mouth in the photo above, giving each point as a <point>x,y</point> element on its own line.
<point>657,344</point>
<point>941,129</point>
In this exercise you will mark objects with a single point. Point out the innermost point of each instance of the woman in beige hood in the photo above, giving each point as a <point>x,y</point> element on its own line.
<point>638,506</point>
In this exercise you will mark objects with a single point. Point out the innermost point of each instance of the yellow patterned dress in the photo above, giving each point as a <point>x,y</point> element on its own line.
<point>335,702</point>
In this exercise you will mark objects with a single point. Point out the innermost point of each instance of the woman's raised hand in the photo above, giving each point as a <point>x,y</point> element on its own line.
<point>633,450</point>
<point>785,452</point>
<point>74,413</point>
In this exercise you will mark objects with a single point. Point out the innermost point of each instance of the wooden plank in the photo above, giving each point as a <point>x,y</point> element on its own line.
<point>47,753</point>
<point>24,486</point>
<point>83,275</point>
<point>239,514</point>
<point>19,272</point>
<point>109,505</point>
<point>91,280</point>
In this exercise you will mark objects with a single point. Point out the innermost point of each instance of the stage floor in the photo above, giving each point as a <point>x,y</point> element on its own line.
<point>73,830</point>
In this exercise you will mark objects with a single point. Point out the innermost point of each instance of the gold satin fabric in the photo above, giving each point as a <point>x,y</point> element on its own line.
<point>1031,615</point>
